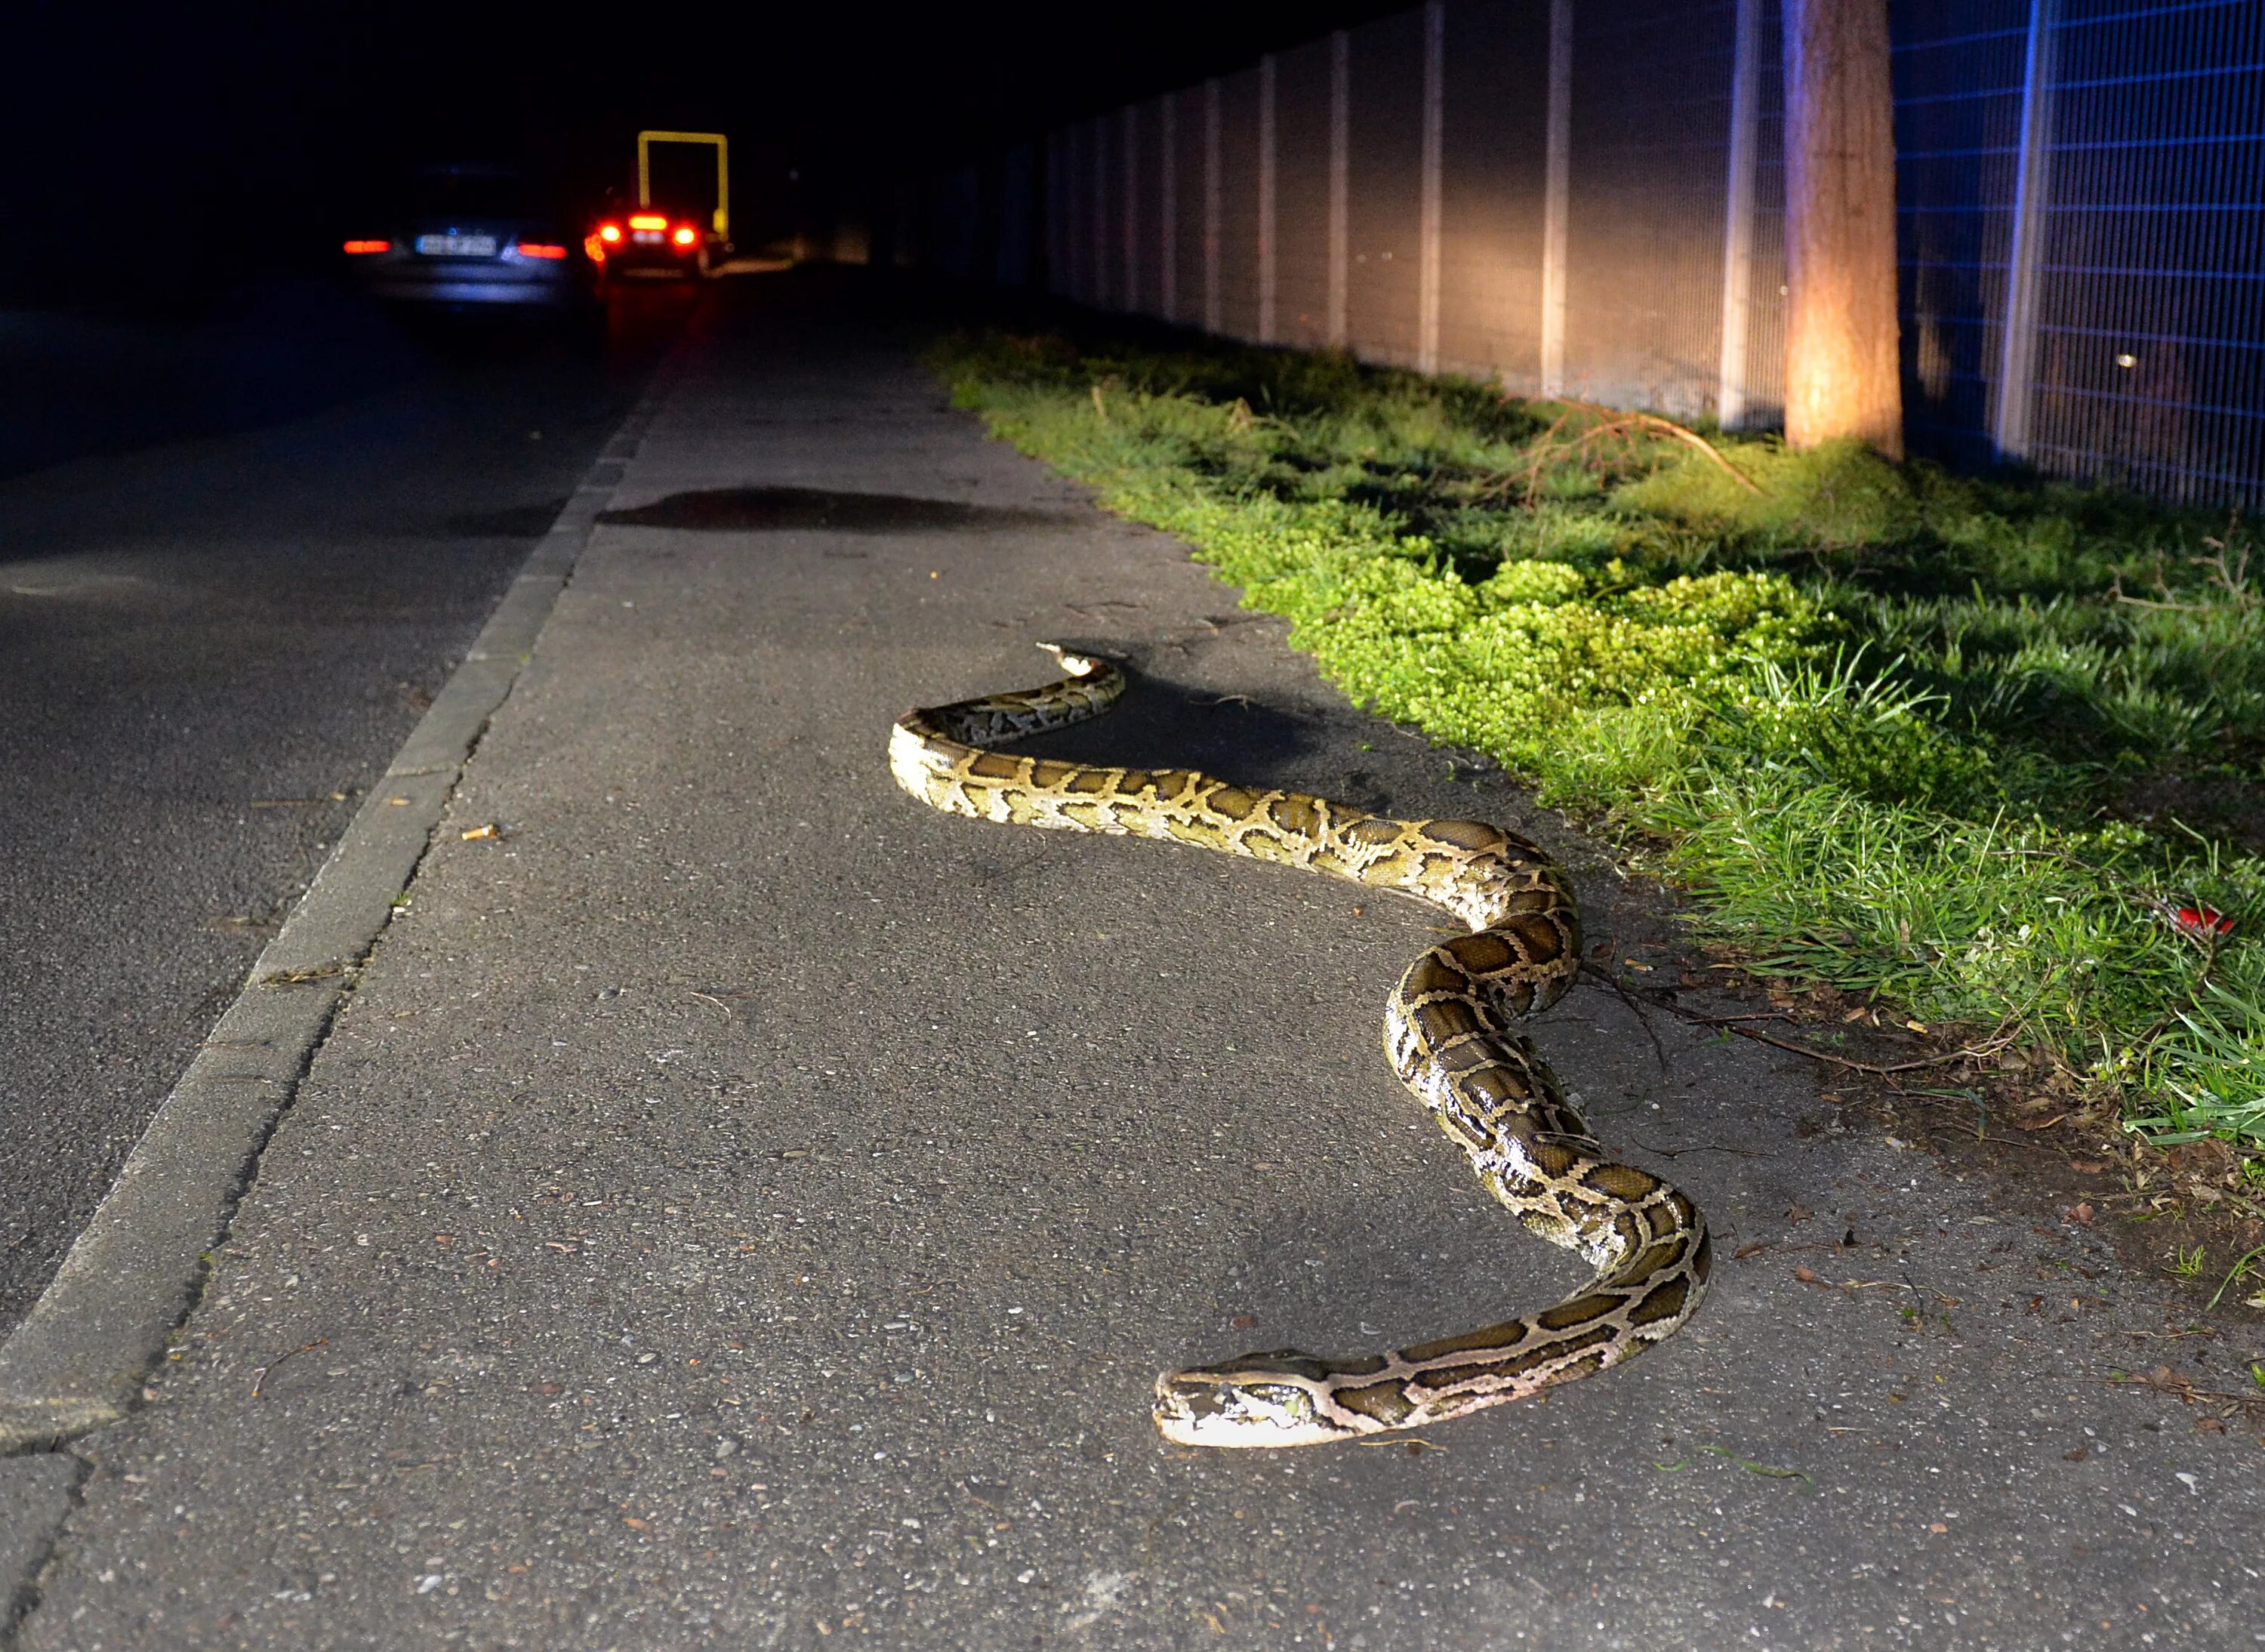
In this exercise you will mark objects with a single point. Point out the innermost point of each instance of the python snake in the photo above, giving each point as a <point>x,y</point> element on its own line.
<point>1447,1033</point>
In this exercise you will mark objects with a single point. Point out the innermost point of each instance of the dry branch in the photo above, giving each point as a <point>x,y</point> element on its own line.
<point>1612,425</point>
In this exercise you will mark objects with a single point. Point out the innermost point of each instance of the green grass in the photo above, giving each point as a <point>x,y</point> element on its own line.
<point>1888,725</point>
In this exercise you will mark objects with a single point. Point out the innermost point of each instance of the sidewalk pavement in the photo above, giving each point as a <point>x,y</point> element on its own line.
<point>737,1207</point>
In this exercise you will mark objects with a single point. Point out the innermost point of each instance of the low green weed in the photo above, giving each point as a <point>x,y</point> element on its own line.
<point>1880,717</point>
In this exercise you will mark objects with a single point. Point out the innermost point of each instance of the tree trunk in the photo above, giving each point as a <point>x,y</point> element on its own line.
<point>1842,377</point>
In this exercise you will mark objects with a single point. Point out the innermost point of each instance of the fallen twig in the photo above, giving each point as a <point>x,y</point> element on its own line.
<point>1735,1025</point>
<point>260,1375</point>
<point>1612,424</point>
<point>1704,1146</point>
<point>1643,1020</point>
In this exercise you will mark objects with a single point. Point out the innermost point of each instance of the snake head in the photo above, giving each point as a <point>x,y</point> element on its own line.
<point>1076,661</point>
<point>1260,1400</point>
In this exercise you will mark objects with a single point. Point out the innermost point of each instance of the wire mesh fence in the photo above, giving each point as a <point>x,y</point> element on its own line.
<point>1588,199</point>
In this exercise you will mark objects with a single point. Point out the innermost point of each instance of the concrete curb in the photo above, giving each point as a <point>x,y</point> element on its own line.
<point>77,1360</point>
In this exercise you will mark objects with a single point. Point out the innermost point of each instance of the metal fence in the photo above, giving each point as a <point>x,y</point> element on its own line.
<point>1587,199</point>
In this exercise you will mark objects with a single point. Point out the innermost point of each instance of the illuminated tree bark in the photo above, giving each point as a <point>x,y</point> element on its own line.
<point>1841,376</point>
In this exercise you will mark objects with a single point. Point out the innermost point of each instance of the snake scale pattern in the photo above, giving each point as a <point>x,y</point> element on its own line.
<point>1445,1030</point>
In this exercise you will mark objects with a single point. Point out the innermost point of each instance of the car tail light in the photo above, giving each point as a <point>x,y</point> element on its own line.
<point>609,233</point>
<point>541,250</point>
<point>685,235</point>
<point>647,220</point>
<point>369,246</point>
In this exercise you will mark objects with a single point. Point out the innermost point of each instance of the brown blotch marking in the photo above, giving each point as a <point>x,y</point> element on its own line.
<point>1587,1365</point>
<point>1621,1181</point>
<point>1648,1265</point>
<point>1382,1400</point>
<point>1703,1260</point>
<point>1477,1053</point>
<point>1580,1311</point>
<point>995,766</point>
<point>1436,972</point>
<point>1509,1334</point>
<point>1517,1124</point>
<point>1544,942</point>
<point>1232,802</point>
<point>1533,1359</point>
<point>1393,870</point>
<point>1050,774</point>
<point>1466,1128</point>
<point>1092,781</point>
<point>1450,1019</point>
<point>1662,1302</point>
<point>1252,1370</point>
<point>1554,1158</point>
<point>1485,953</point>
<point>1295,814</point>
<point>1462,835</point>
<point>1493,1086</point>
<point>1362,1365</point>
<point>1372,831</point>
<point>1544,900</point>
<point>1516,995</point>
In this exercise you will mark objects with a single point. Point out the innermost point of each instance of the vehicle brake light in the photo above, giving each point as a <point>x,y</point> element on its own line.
<point>647,220</point>
<point>685,235</point>
<point>540,250</point>
<point>609,232</point>
<point>369,246</point>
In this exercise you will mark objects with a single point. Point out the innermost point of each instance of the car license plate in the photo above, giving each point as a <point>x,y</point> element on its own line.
<point>456,246</point>
<point>650,237</point>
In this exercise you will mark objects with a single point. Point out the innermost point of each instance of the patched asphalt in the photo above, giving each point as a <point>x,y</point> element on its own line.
<point>737,1206</point>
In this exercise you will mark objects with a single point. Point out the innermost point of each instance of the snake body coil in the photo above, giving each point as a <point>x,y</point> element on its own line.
<point>1445,1030</point>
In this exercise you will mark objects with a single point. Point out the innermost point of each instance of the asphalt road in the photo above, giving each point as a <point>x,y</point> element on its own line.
<point>738,1207</point>
<point>237,559</point>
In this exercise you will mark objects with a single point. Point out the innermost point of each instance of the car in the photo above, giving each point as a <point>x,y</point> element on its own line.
<point>648,242</point>
<point>472,237</point>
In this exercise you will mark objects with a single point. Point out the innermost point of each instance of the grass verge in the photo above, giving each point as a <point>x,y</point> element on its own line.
<point>1917,736</point>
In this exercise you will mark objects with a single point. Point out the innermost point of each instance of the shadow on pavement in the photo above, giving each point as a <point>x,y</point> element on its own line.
<point>821,510</point>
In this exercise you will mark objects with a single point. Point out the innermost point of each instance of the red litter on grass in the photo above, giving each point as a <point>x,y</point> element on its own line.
<point>2204,921</point>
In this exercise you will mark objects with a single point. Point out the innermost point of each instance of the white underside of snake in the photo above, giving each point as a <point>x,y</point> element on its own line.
<point>1445,1030</point>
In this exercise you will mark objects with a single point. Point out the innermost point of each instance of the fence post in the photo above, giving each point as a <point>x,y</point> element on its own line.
<point>1057,264</point>
<point>1073,256</point>
<point>1738,215</point>
<point>1340,178</point>
<point>1168,225</point>
<point>1077,245</point>
<point>1427,234</point>
<point>1099,222</point>
<point>1266,199</point>
<point>1556,189</point>
<point>1214,191</point>
<point>1131,138</point>
<point>2032,185</point>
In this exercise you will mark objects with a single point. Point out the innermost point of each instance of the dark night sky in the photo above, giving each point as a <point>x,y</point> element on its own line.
<point>190,126</point>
